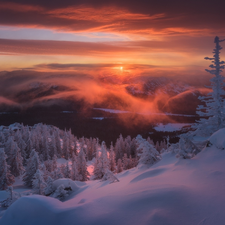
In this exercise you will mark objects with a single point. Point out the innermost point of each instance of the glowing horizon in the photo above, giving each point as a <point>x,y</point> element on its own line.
<point>106,45</point>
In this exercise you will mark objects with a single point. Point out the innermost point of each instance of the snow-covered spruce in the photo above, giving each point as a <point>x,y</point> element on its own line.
<point>60,192</point>
<point>148,154</point>
<point>15,160</point>
<point>110,177</point>
<point>6,178</point>
<point>49,189</point>
<point>213,110</point>
<point>101,163</point>
<point>32,166</point>
<point>83,174</point>
<point>187,149</point>
<point>13,196</point>
<point>38,183</point>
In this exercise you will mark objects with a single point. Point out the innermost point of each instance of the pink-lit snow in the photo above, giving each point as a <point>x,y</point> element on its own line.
<point>171,192</point>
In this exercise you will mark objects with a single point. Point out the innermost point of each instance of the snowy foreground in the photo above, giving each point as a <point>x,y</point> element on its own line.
<point>173,191</point>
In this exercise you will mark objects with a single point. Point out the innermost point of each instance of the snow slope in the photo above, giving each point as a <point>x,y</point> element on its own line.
<point>172,192</point>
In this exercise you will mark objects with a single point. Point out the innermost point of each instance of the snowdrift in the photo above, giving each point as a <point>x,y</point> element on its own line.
<point>68,183</point>
<point>172,192</point>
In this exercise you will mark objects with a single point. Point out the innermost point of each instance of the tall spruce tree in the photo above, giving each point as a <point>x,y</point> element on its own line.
<point>15,160</point>
<point>38,182</point>
<point>6,178</point>
<point>82,166</point>
<point>213,112</point>
<point>102,162</point>
<point>32,166</point>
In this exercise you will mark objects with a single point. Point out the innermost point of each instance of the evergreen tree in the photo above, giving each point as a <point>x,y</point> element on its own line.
<point>101,163</point>
<point>15,160</point>
<point>54,163</point>
<point>148,154</point>
<point>13,196</point>
<point>48,165</point>
<point>133,148</point>
<point>125,162</point>
<point>21,144</point>
<point>32,166</point>
<point>6,178</point>
<point>82,166</point>
<point>65,146</point>
<point>2,138</point>
<point>67,171</point>
<point>130,163</point>
<point>44,171</point>
<point>58,142</point>
<point>74,169</point>
<point>110,177</point>
<point>9,146</point>
<point>52,147</point>
<point>56,174</point>
<point>213,112</point>
<point>119,147</point>
<point>112,161</point>
<point>38,182</point>
<point>119,166</point>
<point>49,186</point>
<point>60,192</point>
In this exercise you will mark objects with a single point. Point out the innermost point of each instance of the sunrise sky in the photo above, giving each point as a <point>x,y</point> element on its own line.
<point>104,38</point>
<point>112,35</point>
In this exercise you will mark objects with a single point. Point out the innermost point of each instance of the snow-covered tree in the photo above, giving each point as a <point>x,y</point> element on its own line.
<point>125,162</point>
<point>213,110</point>
<point>32,166</point>
<point>74,169</point>
<point>110,177</point>
<point>13,196</point>
<point>38,182</point>
<point>102,162</point>
<point>66,146</point>
<point>82,166</point>
<point>58,142</point>
<point>21,144</point>
<point>60,192</point>
<point>119,166</point>
<point>112,161</point>
<point>66,170</point>
<point>6,178</point>
<point>15,160</point>
<point>49,186</point>
<point>57,173</point>
<point>148,154</point>
<point>54,163</point>
<point>187,149</point>
<point>119,147</point>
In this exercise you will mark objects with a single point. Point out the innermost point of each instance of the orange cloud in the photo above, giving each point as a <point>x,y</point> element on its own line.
<point>20,7</point>
<point>113,18</point>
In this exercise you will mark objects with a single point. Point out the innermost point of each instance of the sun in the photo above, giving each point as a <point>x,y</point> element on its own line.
<point>121,68</point>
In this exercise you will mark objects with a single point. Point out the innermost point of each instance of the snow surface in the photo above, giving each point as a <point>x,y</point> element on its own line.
<point>117,111</point>
<point>170,127</point>
<point>171,192</point>
<point>218,139</point>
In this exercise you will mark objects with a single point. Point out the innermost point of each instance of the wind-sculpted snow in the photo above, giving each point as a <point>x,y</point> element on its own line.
<point>171,192</point>
<point>148,174</point>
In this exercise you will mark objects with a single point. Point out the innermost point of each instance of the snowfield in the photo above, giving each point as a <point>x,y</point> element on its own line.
<point>171,127</point>
<point>171,192</point>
